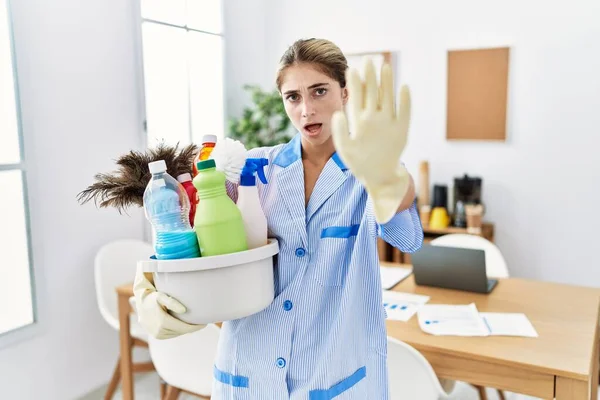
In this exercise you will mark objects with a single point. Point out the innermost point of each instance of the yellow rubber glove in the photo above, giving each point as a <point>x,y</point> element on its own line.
<point>152,306</point>
<point>372,152</point>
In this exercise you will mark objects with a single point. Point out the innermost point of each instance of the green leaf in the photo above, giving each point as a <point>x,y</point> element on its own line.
<point>264,123</point>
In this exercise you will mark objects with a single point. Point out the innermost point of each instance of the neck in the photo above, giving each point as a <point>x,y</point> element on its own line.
<point>317,154</point>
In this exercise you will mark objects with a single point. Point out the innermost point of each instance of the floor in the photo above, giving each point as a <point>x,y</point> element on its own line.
<point>147,388</point>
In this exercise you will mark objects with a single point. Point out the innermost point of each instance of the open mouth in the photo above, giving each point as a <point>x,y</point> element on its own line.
<point>313,129</point>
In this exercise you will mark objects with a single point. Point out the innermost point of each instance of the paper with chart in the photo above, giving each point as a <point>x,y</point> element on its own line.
<point>508,324</point>
<point>391,276</point>
<point>453,320</point>
<point>465,320</point>
<point>401,306</point>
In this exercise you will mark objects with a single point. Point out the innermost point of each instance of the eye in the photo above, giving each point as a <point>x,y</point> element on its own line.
<point>320,91</point>
<point>293,97</point>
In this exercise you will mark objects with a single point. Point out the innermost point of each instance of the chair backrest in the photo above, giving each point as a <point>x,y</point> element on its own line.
<point>114,265</point>
<point>410,375</point>
<point>187,361</point>
<point>495,264</point>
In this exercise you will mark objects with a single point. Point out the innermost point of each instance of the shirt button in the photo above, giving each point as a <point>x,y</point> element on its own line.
<point>300,252</point>
<point>287,305</point>
<point>280,362</point>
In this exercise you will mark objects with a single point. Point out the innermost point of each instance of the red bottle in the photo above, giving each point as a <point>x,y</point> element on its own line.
<point>186,182</point>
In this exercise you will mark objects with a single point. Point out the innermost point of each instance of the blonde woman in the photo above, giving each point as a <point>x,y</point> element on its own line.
<point>330,195</point>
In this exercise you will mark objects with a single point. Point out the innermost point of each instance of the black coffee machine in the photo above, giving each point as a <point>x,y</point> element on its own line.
<point>467,190</point>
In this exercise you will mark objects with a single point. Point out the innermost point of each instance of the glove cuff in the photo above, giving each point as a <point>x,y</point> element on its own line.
<point>387,198</point>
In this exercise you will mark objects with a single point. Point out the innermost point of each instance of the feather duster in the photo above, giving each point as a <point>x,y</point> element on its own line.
<point>125,187</point>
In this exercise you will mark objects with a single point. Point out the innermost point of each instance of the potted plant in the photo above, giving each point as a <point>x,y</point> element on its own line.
<point>264,123</point>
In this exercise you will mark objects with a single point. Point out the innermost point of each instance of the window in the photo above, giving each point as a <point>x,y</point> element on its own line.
<point>182,48</point>
<point>17,308</point>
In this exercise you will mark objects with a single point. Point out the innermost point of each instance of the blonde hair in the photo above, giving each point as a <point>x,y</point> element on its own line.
<point>321,53</point>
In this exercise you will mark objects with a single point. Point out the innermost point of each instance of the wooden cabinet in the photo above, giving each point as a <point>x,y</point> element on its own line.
<point>391,254</point>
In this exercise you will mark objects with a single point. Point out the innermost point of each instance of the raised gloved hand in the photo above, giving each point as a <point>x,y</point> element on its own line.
<point>372,152</point>
<point>152,306</point>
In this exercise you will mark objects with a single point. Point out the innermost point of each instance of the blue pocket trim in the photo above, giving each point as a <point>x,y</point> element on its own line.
<point>341,232</point>
<point>228,379</point>
<point>339,388</point>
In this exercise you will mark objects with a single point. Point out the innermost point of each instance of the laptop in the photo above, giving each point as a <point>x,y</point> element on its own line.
<point>451,268</point>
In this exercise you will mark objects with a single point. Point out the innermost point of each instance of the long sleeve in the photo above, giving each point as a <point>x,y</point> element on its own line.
<point>232,190</point>
<point>404,231</point>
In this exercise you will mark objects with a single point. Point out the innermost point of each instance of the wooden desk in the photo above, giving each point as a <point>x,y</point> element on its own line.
<point>124,292</point>
<point>562,362</point>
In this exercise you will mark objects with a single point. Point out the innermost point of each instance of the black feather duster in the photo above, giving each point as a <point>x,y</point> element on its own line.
<point>125,187</point>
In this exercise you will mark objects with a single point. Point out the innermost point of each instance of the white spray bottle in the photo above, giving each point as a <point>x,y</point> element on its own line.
<point>248,202</point>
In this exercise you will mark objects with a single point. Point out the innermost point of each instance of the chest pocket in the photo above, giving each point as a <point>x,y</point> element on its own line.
<point>335,251</point>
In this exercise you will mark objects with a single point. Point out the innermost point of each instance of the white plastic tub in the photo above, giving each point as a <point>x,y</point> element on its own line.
<point>218,288</point>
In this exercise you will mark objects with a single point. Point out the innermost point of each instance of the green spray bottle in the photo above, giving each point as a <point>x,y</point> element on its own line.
<point>218,222</point>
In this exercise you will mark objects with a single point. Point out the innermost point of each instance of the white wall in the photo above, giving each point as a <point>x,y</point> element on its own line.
<point>245,29</point>
<point>541,186</point>
<point>80,111</point>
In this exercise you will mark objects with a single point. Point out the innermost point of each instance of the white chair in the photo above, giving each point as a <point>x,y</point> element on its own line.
<point>186,363</point>
<point>410,375</point>
<point>495,264</point>
<point>115,264</point>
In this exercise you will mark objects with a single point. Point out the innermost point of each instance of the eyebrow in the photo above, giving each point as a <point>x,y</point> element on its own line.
<point>310,87</point>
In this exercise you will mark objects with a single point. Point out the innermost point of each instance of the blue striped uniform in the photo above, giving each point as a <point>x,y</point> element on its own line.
<point>324,335</point>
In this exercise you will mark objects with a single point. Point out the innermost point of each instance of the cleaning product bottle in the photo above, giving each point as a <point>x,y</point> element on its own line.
<point>208,144</point>
<point>167,207</point>
<point>255,222</point>
<point>186,182</point>
<point>218,223</point>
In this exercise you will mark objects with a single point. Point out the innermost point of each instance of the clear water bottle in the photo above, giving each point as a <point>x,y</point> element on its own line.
<point>167,207</point>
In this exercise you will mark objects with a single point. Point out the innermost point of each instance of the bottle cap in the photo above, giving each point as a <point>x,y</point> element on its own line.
<point>209,139</point>
<point>184,177</point>
<point>205,164</point>
<point>157,167</point>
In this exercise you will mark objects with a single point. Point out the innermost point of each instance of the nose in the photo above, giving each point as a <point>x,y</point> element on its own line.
<point>307,109</point>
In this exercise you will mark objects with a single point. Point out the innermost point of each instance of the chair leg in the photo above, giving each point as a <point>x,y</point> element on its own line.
<point>482,393</point>
<point>501,394</point>
<point>114,381</point>
<point>163,389</point>
<point>172,393</point>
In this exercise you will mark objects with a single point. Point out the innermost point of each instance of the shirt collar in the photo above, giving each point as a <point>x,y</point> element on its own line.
<point>292,152</point>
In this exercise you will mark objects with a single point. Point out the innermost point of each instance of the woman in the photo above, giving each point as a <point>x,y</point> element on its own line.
<point>324,334</point>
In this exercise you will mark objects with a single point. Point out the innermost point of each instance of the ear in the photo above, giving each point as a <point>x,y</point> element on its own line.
<point>344,95</point>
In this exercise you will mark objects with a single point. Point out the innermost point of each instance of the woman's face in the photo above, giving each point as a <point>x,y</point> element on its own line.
<point>310,98</point>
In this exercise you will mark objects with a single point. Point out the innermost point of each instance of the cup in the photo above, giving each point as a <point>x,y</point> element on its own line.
<point>474,213</point>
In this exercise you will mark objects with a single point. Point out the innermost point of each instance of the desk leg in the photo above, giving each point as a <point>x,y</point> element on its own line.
<point>595,370</point>
<point>126,348</point>
<point>571,389</point>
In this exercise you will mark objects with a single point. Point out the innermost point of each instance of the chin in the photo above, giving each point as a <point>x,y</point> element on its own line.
<point>318,139</point>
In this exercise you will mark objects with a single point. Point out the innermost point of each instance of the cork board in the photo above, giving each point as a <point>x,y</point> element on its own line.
<point>477,94</point>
